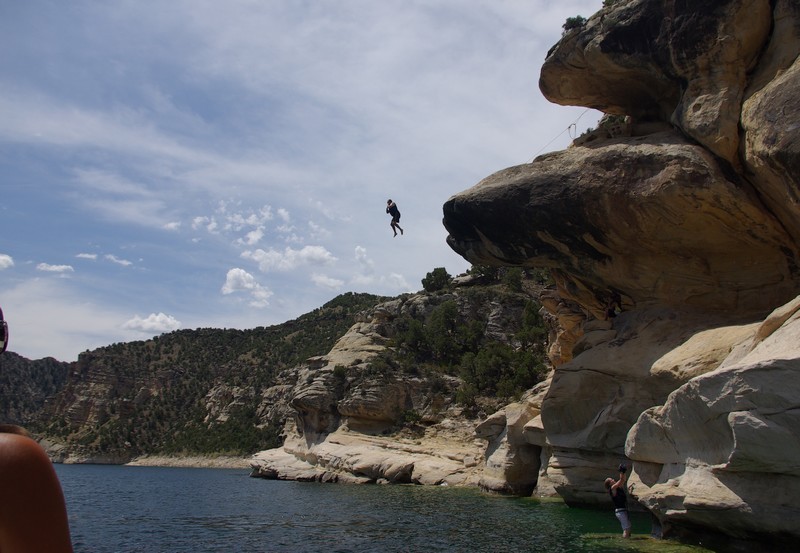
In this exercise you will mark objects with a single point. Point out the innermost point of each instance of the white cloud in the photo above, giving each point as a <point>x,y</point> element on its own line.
<point>91,256</point>
<point>208,223</point>
<point>289,258</point>
<point>253,237</point>
<point>318,232</point>
<point>284,214</point>
<point>6,261</point>
<point>324,281</point>
<point>393,282</point>
<point>239,280</point>
<point>238,220</point>
<point>285,229</point>
<point>47,268</point>
<point>117,260</point>
<point>364,262</point>
<point>363,280</point>
<point>365,276</point>
<point>52,318</point>
<point>399,282</point>
<point>153,323</point>
<point>173,225</point>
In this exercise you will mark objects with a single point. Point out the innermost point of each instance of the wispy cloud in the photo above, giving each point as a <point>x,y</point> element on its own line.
<point>399,282</point>
<point>317,232</point>
<point>325,281</point>
<point>364,262</point>
<point>47,268</point>
<point>117,260</point>
<point>289,259</point>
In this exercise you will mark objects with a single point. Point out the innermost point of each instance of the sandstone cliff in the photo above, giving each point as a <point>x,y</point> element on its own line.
<point>680,215</point>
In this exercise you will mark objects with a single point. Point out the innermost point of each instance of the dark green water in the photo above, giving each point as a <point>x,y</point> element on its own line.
<point>152,510</point>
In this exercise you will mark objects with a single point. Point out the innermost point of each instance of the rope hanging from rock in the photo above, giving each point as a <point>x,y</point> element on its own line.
<point>572,128</point>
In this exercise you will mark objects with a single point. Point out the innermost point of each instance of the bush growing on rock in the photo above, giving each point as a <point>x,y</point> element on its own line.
<point>436,280</point>
<point>573,23</point>
<point>453,340</point>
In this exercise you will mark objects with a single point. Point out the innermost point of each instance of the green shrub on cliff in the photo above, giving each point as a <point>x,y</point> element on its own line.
<point>453,340</point>
<point>436,280</point>
<point>573,23</point>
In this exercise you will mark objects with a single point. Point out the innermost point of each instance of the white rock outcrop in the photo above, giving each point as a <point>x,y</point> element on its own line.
<point>724,449</point>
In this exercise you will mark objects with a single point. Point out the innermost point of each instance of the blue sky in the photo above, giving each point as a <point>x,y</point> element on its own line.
<point>196,163</point>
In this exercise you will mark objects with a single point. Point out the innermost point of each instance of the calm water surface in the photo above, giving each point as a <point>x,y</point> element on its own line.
<point>147,509</point>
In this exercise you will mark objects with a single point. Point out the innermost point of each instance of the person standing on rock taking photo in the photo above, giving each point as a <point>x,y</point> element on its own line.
<point>616,489</point>
<point>33,514</point>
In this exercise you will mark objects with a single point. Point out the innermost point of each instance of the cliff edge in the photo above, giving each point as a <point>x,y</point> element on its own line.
<point>673,234</point>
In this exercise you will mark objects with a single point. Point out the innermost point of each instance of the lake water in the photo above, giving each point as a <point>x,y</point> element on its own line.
<point>115,509</point>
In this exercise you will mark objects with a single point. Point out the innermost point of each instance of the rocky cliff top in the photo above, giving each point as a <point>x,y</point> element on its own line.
<point>702,213</point>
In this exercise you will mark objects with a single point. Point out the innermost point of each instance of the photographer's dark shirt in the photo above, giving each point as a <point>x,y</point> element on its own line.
<point>620,498</point>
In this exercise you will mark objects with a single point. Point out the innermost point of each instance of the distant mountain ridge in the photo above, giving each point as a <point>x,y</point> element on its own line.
<point>167,394</point>
<point>232,392</point>
<point>26,384</point>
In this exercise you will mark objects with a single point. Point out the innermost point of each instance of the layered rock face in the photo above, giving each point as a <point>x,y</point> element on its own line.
<point>654,218</point>
<point>351,416</point>
<point>686,226</point>
<point>724,449</point>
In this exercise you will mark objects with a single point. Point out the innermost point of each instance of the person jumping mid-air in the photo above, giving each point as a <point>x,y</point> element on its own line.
<point>391,209</point>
